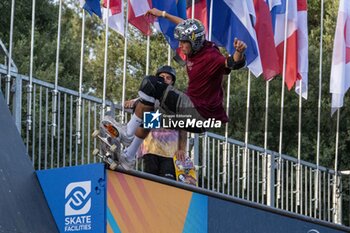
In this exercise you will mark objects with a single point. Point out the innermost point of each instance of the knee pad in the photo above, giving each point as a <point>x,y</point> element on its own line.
<point>151,88</point>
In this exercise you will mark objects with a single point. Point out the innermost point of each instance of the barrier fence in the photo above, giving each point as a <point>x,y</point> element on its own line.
<point>267,177</point>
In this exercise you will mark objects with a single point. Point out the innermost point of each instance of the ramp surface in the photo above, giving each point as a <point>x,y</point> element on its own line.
<point>23,208</point>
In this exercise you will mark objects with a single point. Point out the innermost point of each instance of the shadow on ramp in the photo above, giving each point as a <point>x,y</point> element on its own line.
<point>23,208</point>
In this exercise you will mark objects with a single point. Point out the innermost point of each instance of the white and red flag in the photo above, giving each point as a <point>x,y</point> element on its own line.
<point>296,39</point>
<point>115,14</point>
<point>136,15</point>
<point>340,72</point>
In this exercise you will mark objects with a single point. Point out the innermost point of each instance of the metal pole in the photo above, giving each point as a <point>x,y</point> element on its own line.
<point>124,64</point>
<point>78,132</point>
<point>169,55</point>
<point>225,160</point>
<point>210,18</point>
<point>299,147</point>
<point>30,85</point>
<point>245,154</point>
<point>105,64</point>
<point>319,111</point>
<point>8,77</point>
<point>336,190</point>
<point>55,91</point>
<point>282,102</point>
<point>147,55</point>
<point>264,165</point>
<point>192,13</point>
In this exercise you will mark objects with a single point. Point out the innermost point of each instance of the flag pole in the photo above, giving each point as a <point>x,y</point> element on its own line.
<point>78,132</point>
<point>8,77</point>
<point>30,84</point>
<point>226,147</point>
<point>105,65</point>
<point>192,13</point>
<point>316,197</point>
<point>279,173</point>
<point>54,95</point>
<point>147,55</point>
<point>169,55</point>
<point>124,62</point>
<point>336,190</point>
<point>267,90</point>
<point>246,134</point>
<point>297,191</point>
<point>55,91</point>
<point>210,19</point>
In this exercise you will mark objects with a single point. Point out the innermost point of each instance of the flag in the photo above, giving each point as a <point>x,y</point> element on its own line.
<point>200,12</point>
<point>136,15</point>
<point>115,14</point>
<point>173,7</point>
<point>279,12</point>
<point>92,6</point>
<point>303,45</point>
<point>340,71</point>
<point>265,38</point>
<point>273,6</point>
<point>114,5</point>
<point>232,19</point>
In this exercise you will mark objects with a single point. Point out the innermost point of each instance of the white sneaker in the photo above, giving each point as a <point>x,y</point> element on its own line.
<point>124,138</point>
<point>127,163</point>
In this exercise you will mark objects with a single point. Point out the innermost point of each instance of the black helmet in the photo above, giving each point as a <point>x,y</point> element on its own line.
<point>167,69</point>
<point>191,30</point>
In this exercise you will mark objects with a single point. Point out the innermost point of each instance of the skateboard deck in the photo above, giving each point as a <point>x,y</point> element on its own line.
<point>185,171</point>
<point>109,142</point>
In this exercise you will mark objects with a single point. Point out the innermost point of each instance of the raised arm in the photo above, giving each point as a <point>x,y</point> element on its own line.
<point>237,60</point>
<point>158,13</point>
<point>240,47</point>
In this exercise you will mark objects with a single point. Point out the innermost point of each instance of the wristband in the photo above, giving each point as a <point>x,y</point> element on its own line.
<point>163,14</point>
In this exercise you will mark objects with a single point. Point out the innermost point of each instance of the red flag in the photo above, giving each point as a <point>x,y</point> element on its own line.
<point>114,5</point>
<point>265,37</point>
<point>136,16</point>
<point>200,12</point>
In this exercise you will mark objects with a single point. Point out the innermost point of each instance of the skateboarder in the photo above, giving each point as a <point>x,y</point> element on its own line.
<point>159,147</point>
<point>203,99</point>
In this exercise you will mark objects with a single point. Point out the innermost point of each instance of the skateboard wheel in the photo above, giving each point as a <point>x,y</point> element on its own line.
<point>95,133</point>
<point>113,148</point>
<point>113,165</point>
<point>95,152</point>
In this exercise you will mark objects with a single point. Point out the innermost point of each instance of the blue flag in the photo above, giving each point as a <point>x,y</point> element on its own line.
<point>92,6</point>
<point>167,27</point>
<point>232,19</point>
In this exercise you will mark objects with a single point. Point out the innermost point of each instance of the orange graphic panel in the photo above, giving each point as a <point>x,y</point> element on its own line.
<point>139,205</point>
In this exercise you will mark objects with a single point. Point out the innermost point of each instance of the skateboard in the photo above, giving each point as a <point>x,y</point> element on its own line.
<point>109,142</point>
<point>185,171</point>
<point>106,159</point>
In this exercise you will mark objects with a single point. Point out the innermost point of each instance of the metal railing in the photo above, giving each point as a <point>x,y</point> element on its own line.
<point>219,161</point>
<point>295,192</point>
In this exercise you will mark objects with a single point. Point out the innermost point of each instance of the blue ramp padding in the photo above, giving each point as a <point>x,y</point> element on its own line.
<point>23,208</point>
<point>224,216</point>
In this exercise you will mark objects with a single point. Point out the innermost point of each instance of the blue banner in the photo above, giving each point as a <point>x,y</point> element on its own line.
<point>76,197</point>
